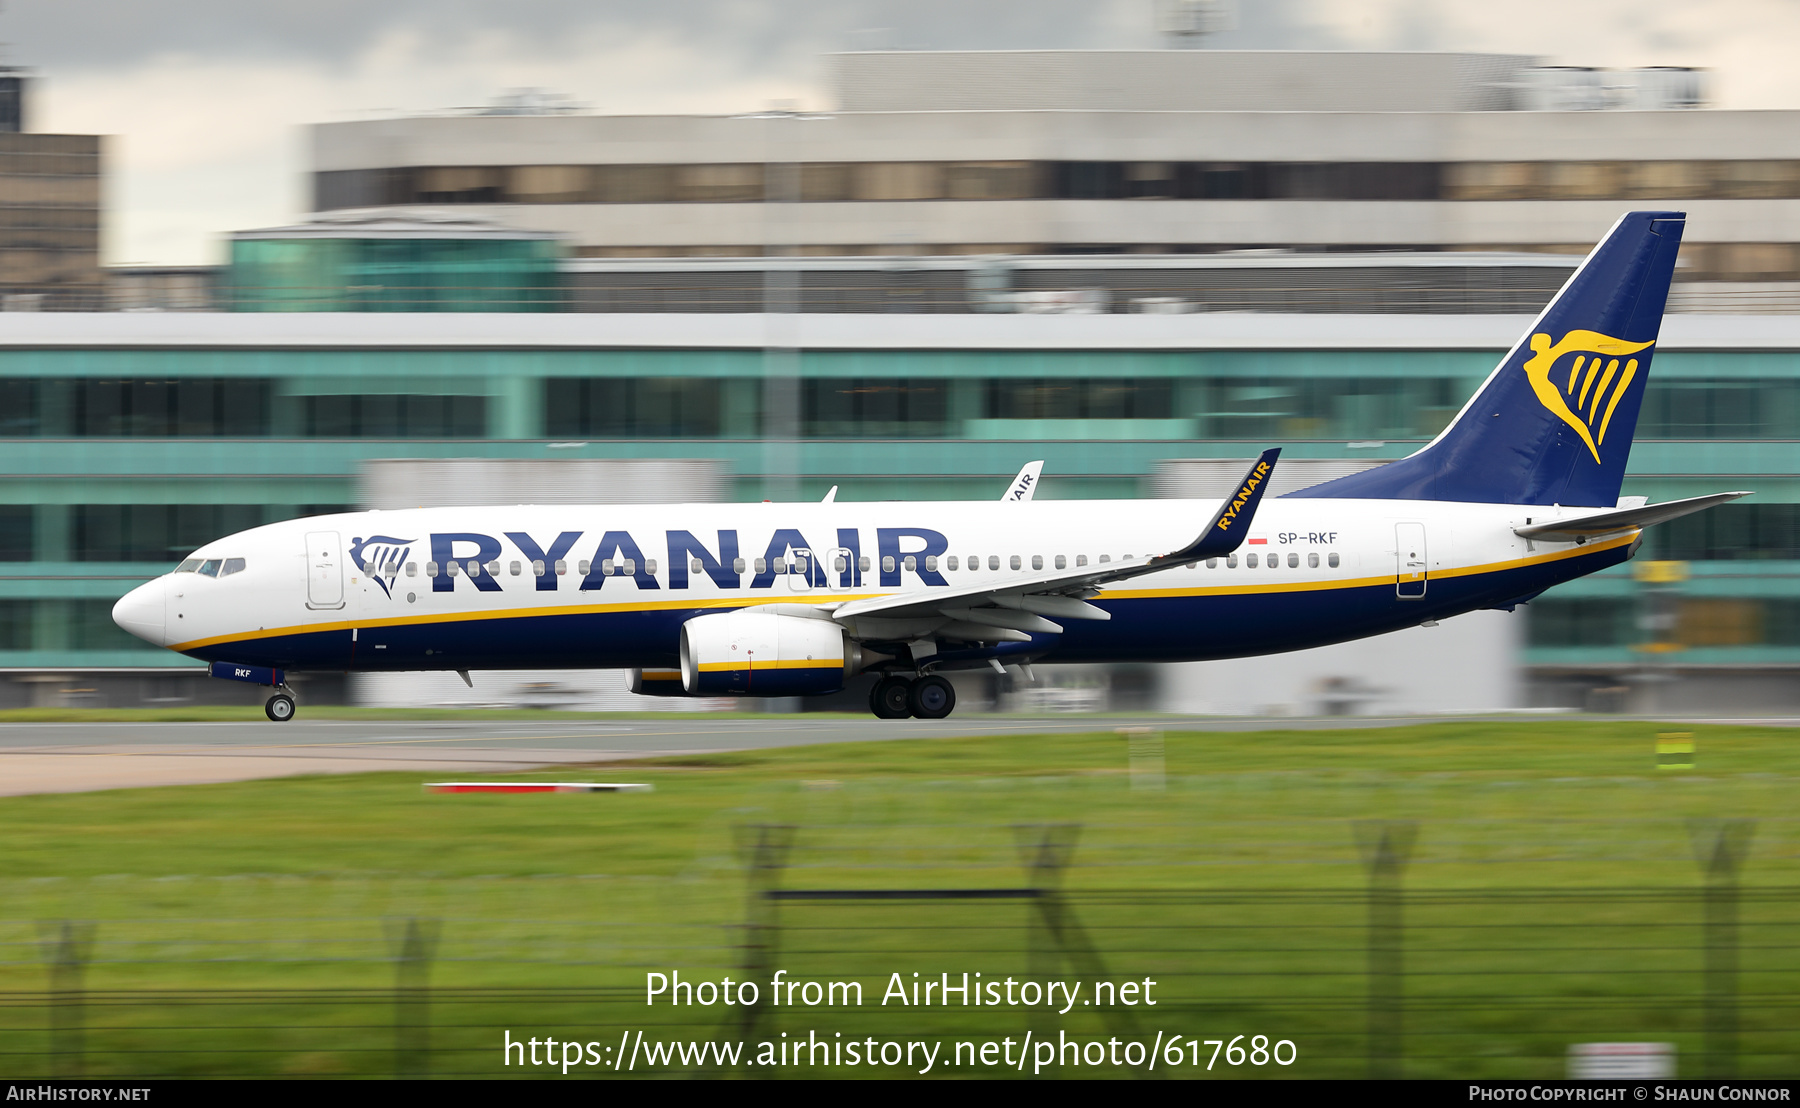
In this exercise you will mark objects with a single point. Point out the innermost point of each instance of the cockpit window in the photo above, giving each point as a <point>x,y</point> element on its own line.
<point>209,568</point>
<point>231,566</point>
<point>188,566</point>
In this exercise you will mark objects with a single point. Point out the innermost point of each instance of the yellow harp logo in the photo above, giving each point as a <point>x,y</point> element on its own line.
<point>1594,384</point>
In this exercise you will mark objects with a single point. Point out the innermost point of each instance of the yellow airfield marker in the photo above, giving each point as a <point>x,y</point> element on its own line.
<point>1675,750</point>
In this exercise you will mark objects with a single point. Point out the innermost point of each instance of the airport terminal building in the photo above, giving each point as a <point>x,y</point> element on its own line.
<point>1138,280</point>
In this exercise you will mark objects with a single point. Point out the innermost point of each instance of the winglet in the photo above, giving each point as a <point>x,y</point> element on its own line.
<point>1231,525</point>
<point>1025,483</point>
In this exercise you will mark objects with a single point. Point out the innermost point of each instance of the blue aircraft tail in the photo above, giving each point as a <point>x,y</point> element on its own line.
<point>1553,423</point>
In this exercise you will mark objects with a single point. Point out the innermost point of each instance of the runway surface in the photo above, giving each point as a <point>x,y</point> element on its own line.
<point>81,757</point>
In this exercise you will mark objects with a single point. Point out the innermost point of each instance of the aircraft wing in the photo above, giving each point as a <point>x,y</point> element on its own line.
<point>1003,611</point>
<point>1621,519</point>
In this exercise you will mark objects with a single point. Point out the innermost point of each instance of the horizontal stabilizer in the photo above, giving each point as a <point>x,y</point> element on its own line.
<point>1622,519</point>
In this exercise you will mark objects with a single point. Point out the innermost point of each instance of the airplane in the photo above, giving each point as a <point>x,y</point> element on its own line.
<point>1519,493</point>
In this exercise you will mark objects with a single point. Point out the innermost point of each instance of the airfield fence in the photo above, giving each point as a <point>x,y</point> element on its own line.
<point>1381,975</point>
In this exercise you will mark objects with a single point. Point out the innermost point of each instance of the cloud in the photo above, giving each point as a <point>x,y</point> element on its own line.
<point>1746,43</point>
<point>208,97</point>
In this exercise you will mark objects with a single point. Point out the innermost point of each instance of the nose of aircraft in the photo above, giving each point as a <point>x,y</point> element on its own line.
<point>140,611</point>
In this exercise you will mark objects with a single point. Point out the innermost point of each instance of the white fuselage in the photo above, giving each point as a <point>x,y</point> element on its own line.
<point>374,590</point>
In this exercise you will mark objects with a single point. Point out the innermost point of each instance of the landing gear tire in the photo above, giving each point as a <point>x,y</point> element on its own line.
<point>931,698</point>
<point>280,707</point>
<point>891,698</point>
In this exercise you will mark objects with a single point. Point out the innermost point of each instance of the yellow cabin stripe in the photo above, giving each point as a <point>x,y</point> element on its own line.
<point>746,602</point>
<point>823,663</point>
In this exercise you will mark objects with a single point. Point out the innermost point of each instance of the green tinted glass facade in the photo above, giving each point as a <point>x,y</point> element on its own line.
<point>115,459</point>
<point>330,274</point>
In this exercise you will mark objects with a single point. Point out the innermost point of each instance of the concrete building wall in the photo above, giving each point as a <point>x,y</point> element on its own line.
<point>1177,80</point>
<point>990,136</point>
<point>1005,226</point>
<point>1467,664</point>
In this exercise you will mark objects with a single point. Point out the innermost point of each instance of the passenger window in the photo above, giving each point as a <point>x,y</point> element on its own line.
<point>1014,561</point>
<point>841,564</point>
<point>1193,565</point>
<point>649,566</point>
<point>431,569</point>
<point>1105,558</point>
<point>952,562</point>
<point>537,567</point>
<point>562,567</point>
<point>993,561</point>
<point>1081,559</point>
<point>451,569</point>
<point>694,566</point>
<point>1312,561</point>
<point>909,563</point>
<point>1231,561</point>
<point>1037,561</point>
<point>628,566</point>
<point>581,567</point>
<point>209,568</point>
<point>931,563</point>
<point>1250,561</point>
<point>231,566</point>
<point>862,563</point>
<point>762,565</point>
<point>1212,563</point>
<point>737,565</point>
<point>1062,561</point>
<point>188,566</point>
<point>1331,560</point>
<point>412,569</point>
<point>1293,561</point>
<point>887,564</point>
<point>493,568</point>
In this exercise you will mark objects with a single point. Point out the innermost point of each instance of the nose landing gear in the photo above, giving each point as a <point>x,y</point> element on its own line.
<point>896,697</point>
<point>280,707</point>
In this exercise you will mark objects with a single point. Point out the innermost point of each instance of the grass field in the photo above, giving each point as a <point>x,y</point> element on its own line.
<point>1552,897</point>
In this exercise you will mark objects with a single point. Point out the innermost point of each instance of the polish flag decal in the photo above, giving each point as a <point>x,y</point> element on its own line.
<point>1255,541</point>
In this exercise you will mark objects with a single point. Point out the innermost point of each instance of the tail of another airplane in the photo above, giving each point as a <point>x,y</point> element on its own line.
<point>1553,423</point>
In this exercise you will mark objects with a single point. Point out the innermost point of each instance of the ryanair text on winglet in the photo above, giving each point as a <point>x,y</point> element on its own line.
<point>1237,502</point>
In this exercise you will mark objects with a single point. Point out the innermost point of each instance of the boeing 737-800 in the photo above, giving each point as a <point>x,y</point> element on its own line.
<point>1518,494</point>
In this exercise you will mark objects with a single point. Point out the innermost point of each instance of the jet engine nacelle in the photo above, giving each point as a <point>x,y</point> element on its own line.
<point>655,682</point>
<point>752,653</point>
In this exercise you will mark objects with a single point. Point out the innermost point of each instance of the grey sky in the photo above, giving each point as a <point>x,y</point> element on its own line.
<point>85,33</point>
<point>208,98</point>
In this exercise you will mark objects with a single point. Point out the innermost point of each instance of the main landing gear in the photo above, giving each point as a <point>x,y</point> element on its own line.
<point>896,697</point>
<point>280,707</point>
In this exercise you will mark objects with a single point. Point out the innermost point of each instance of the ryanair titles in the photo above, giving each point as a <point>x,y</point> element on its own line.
<point>618,554</point>
<point>1251,483</point>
